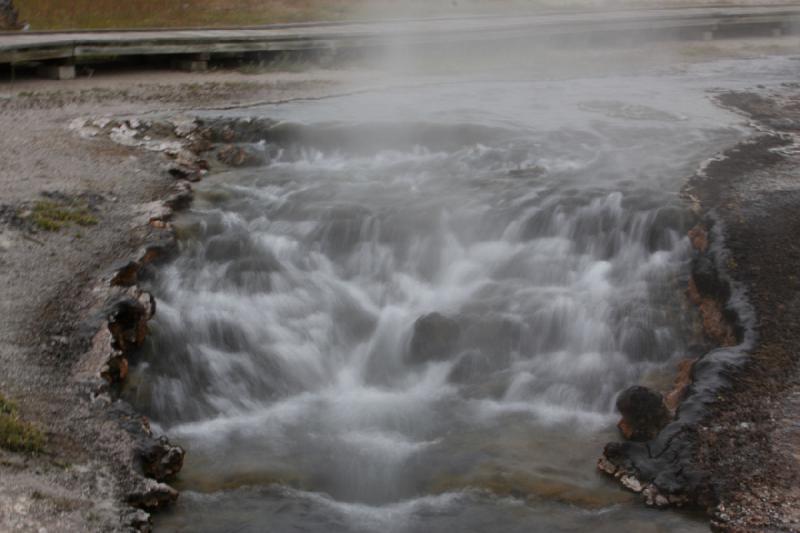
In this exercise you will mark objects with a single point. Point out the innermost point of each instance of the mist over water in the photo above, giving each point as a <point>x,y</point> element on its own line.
<point>416,316</point>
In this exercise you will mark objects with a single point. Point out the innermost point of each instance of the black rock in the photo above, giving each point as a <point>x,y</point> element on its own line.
<point>706,279</point>
<point>435,338</point>
<point>644,413</point>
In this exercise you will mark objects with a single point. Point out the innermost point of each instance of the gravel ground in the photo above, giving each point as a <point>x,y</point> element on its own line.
<point>48,279</point>
<point>750,440</point>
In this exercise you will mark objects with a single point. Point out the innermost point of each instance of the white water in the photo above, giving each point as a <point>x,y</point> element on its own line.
<point>543,219</point>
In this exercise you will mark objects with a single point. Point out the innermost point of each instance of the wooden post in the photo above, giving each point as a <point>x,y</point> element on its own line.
<point>56,72</point>
<point>193,62</point>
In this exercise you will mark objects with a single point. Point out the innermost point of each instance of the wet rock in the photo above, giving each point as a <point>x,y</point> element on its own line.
<point>698,236</point>
<point>201,145</point>
<point>683,380</point>
<point>156,457</point>
<point>237,156</point>
<point>95,363</point>
<point>717,324</point>
<point>157,252</point>
<point>244,130</point>
<point>153,495</point>
<point>668,221</point>
<point>116,368</point>
<point>535,171</point>
<point>639,342</point>
<point>706,278</point>
<point>127,322</point>
<point>341,228</point>
<point>644,413</point>
<point>160,459</point>
<point>159,129</point>
<point>185,172</point>
<point>181,198</point>
<point>224,248</point>
<point>139,520</point>
<point>470,366</point>
<point>435,338</point>
<point>253,273</point>
<point>126,274</point>
<point>227,134</point>
<point>494,335</point>
<point>184,126</point>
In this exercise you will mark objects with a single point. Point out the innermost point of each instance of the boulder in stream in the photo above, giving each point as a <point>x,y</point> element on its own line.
<point>644,413</point>
<point>435,338</point>
<point>237,156</point>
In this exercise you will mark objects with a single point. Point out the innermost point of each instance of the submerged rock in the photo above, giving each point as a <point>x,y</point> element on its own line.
<point>236,156</point>
<point>644,413</point>
<point>435,338</point>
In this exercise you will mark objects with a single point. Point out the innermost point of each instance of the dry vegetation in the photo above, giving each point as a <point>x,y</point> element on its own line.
<point>86,14</point>
<point>16,434</point>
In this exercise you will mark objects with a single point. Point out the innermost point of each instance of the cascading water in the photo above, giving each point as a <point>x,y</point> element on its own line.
<point>416,316</point>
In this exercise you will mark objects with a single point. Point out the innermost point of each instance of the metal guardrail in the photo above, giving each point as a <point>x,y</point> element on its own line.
<point>697,23</point>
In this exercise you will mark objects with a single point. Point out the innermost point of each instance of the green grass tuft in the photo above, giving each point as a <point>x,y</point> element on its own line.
<point>52,216</point>
<point>17,435</point>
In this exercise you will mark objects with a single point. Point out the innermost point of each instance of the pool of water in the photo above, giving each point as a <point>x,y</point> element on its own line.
<point>416,316</point>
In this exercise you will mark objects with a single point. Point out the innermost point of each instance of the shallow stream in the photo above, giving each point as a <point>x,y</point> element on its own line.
<point>417,315</point>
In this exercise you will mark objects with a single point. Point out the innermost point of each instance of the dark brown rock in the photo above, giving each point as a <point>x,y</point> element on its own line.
<point>237,156</point>
<point>707,280</point>
<point>116,368</point>
<point>698,236</point>
<point>127,322</point>
<point>126,275</point>
<point>153,496</point>
<point>184,172</point>
<point>160,459</point>
<point>228,134</point>
<point>435,338</point>
<point>201,145</point>
<point>644,413</point>
<point>681,384</point>
<point>181,198</point>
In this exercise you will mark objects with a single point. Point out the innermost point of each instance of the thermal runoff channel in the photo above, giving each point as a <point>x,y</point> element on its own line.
<point>415,310</point>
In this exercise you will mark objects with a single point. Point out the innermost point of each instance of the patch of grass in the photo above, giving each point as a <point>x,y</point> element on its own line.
<point>16,434</point>
<point>52,216</point>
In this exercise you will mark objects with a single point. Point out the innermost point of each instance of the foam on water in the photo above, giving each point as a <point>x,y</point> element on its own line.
<point>288,355</point>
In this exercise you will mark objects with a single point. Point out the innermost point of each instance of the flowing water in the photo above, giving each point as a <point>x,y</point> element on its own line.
<point>416,316</point>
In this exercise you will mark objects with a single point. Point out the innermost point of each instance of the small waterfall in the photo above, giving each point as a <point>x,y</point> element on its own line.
<point>399,311</point>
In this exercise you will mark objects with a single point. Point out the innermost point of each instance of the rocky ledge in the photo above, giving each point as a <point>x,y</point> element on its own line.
<point>116,331</point>
<point>731,446</point>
